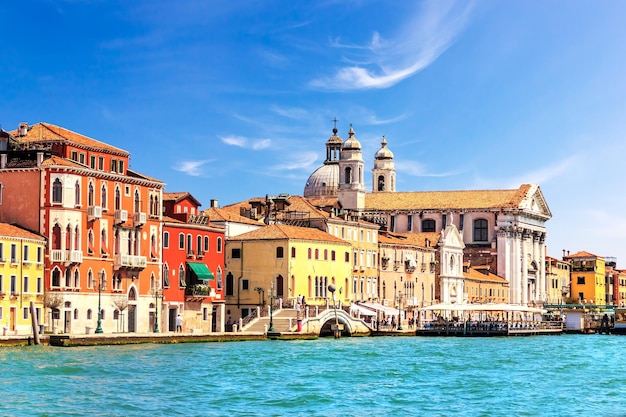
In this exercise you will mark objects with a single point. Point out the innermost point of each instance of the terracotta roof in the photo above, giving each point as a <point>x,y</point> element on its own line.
<point>46,132</point>
<point>296,204</point>
<point>282,231</point>
<point>10,230</point>
<point>167,219</point>
<point>437,200</point>
<point>582,254</point>
<point>179,196</point>
<point>416,239</point>
<point>216,214</point>
<point>55,160</point>
<point>481,273</point>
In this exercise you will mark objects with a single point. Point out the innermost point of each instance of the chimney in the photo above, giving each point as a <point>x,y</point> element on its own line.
<point>39,158</point>
<point>214,203</point>
<point>3,161</point>
<point>22,129</point>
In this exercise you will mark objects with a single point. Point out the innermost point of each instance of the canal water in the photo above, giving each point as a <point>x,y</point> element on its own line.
<point>568,375</point>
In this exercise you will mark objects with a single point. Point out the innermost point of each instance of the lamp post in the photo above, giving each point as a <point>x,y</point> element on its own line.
<point>336,328</point>
<point>101,282</point>
<point>271,329</point>
<point>155,290</point>
<point>400,311</point>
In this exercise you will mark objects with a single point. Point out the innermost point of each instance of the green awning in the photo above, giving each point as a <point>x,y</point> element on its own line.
<point>201,270</point>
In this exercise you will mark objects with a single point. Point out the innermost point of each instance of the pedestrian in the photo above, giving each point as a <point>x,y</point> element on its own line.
<point>179,324</point>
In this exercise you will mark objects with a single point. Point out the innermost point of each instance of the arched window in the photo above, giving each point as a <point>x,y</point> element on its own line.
<point>206,243</point>
<point>181,277</point>
<point>166,276</point>
<point>189,245</point>
<point>348,175</point>
<point>219,278</point>
<point>381,183</point>
<point>103,196</point>
<point>199,245</point>
<point>118,199</point>
<point>309,253</point>
<point>219,245</point>
<point>57,191</point>
<point>181,241</point>
<point>137,202</point>
<point>428,225</point>
<point>293,251</point>
<point>77,194</point>
<point>90,194</point>
<point>56,278</point>
<point>481,231</point>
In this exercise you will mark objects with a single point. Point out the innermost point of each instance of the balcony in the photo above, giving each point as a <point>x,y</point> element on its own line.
<point>94,212</point>
<point>121,216</point>
<point>199,291</point>
<point>61,255</point>
<point>139,219</point>
<point>129,262</point>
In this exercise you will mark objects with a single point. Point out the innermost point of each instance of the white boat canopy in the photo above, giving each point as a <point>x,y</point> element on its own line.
<point>482,307</point>
<point>379,307</point>
<point>357,309</point>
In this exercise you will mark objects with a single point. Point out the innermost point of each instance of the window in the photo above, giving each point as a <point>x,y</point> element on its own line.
<point>347,257</point>
<point>39,285</point>
<point>25,313</point>
<point>181,277</point>
<point>81,158</point>
<point>317,254</point>
<point>77,194</point>
<point>189,244</point>
<point>103,197</point>
<point>480,230</point>
<point>92,162</point>
<point>118,199</point>
<point>206,244</point>
<point>347,175</point>
<point>392,224</point>
<point>309,252</point>
<point>181,241</point>
<point>137,202</point>
<point>293,252</point>
<point>428,225</point>
<point>57,191</point>
<point>332,255</point>
<point>199,244</point>
<point>325,254</point>
<point>245,284</point>
<point>25,288</point>
<point>166,239</point>
<point>236,253</point>
<point>13,285</point>
<point>166,276</point>
<point>74,156</point>
<point>1,283</point>
<point>101,163</point>
<point>581,280</point>
<point>25,254</point>
<point>56,278</point>
<point>219,278</point>
<point>219,244</point>
<point>410,223</point>
<point>280,252</point>
<point>39,254</point>
<point>90,195</point>
<point>13,253</point>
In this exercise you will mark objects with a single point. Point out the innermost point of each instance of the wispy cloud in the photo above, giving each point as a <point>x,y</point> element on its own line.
<point>383,63</point>
<point>192,168</point>
<point>305,160</point>
<point>242,142</point>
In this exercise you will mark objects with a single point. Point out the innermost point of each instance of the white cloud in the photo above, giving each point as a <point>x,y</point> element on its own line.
<point>383,63</point>
<point>416,169</point>
<point>305,160</point>
<point>191,167</point>
<point>243,142</point>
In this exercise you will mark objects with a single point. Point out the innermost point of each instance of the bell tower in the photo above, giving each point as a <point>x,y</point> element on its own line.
<point>351,175</point>
<point>384,171</point>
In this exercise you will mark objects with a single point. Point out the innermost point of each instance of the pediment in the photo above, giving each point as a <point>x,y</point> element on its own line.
<point>452,238</point>
<point>535,203</point>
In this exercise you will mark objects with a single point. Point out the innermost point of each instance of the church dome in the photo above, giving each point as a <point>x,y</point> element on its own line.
<point>324,182</point>
<point>384,152</point>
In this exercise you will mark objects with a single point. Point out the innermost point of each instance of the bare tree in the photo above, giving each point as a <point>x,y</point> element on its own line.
<point>53,301</point>
<point>121,303</point>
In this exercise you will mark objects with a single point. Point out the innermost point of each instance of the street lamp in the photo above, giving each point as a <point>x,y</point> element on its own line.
<point>101,282</point>
<point>336,328</point>
<point>271,329</point>
<point>399,311</point>
<point>155,290</point>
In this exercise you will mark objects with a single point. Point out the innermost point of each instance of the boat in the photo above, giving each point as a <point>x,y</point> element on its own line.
<point>489,319</point>
<point>619,326</point>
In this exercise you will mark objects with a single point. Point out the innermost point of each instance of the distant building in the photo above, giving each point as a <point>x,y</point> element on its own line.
<point>193,266</point>
<point>21,279</point>
<point>558,278</point>
<point>587,277</point>
<point>102,222</point>
<point>504,229</point>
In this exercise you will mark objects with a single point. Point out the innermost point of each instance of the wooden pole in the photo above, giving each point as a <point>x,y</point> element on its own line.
<point>33,317</point>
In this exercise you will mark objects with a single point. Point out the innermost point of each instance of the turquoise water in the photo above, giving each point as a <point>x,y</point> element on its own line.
<point>569,375</point>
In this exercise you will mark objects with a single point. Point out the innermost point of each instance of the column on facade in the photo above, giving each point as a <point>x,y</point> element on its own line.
<point>542,268</point>
<point>504,257</point>
<point>525,236</point>
<point>516,278</point>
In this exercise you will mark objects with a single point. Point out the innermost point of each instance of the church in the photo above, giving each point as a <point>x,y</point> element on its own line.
<point>503,230</point>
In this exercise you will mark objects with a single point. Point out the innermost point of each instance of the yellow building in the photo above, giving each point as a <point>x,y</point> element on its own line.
<point>558,277</point>
<point>21,278</point>
<point>280,262</point>
<point>587,277</point>
<point>483,286</point>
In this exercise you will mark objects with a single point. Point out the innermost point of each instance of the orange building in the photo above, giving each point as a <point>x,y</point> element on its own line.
<point>587,277</point>
<point>102,221</point>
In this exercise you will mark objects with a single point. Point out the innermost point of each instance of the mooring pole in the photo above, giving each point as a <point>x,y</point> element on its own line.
<point>33,320</point>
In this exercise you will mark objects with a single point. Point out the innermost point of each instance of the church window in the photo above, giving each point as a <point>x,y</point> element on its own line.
<point>428,225</point>
<point>348,175</point>
<point>480,230</point>
<point>381,183</point>
<point>57,191</point>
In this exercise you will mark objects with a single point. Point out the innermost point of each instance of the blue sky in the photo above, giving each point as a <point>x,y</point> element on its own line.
<point>231,100</point>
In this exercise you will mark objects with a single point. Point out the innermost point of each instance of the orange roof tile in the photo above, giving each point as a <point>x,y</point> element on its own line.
<point>582,254</point>
<point>218,214</point>
<point>282,231</point>
<point>416,239</point>
<point>481,273</point>
<point>11,230</point>
<point>465,199</point>
<point>46,132</point>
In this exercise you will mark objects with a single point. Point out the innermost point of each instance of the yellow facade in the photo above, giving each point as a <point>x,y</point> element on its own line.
<point>587,278</point>
<point>21,279</point>
<point>282,262</point>
<point>558,278</point>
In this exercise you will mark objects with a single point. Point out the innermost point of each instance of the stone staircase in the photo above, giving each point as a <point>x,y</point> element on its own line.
<point>280,318</point>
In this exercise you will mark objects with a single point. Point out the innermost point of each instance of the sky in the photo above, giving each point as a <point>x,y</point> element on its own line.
<point>230,100</point>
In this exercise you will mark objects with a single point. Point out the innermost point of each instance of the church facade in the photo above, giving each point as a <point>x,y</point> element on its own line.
<point>503,229</point>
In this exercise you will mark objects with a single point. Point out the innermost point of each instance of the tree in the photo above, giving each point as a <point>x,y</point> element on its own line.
<point>121,303</point>
<point>53,301</point>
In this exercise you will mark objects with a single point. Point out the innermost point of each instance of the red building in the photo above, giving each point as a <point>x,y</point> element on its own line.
<point>193,262</point>
<point>102,222</point>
